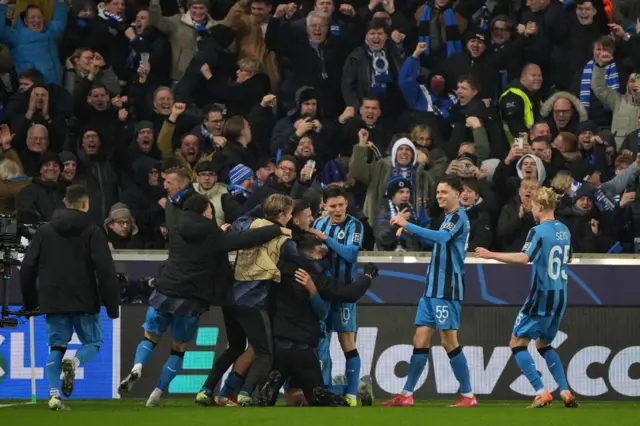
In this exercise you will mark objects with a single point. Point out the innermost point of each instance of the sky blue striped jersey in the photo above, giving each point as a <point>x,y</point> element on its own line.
<point>548,246</point>
<point>445,275</point>
<point>345,241</point>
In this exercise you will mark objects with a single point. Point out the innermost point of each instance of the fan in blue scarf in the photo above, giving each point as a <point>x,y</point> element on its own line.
<point>409,173</point>
<point>237,176</point>
<point>610,76</point>
<point>381,75</point>
<point>454,44</point>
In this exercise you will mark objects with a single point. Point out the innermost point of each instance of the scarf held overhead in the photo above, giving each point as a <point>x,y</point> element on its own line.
<point>454,45</point>
<point>610,76</point>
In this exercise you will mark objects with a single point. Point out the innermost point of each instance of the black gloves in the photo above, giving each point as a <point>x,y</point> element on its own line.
<point>371,270</point>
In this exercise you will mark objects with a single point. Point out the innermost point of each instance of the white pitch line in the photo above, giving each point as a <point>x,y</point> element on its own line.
<point>14,405</point>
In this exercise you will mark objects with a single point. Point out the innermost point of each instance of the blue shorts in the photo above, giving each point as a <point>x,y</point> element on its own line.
<point>60,328</point>
<point>537,327</point>
<point>183,328</point>
<point>441,314</point>
<point>324,355</point>
<point>342,318</point>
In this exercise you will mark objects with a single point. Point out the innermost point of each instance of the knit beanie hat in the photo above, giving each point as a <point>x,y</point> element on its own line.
<point>397,183</point>
<point>239,174</point>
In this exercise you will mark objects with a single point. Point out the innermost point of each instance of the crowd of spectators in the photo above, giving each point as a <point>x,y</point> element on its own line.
<point>147,102</point>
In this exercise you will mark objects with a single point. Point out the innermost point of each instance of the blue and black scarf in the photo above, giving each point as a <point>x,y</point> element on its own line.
<point>176,198</point>
<point>610,76</point>
<point>237,189</point>
<point>454,45</point>
<point>423,218</point>
<point>380,72</point>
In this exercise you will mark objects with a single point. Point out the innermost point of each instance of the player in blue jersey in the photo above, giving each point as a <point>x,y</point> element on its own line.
<point>440,306</point>
<point>342,233</point>
<point>548,248</point>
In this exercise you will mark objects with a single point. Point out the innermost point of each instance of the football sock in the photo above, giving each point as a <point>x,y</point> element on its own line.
<point>352,371</point>
<point>233,382</point>
<point>555,366</point>
<point>54,368</point>
<point>337,389</point>
<point>461,370</point>
<point>170,369</point>
<point>416,367</point>
<point>528,366</point>
<point>143,352</point>
<point>86,354</point>
<point>325,367</point>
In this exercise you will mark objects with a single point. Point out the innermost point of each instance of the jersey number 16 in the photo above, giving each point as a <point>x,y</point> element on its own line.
<point>558,256</point>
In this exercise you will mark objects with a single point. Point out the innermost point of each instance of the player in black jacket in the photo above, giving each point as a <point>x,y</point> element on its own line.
<point>296,321</point>
<point>196,275</point>
<point>69,257</point>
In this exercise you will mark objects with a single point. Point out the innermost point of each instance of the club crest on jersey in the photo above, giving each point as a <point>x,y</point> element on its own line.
<point>449,226</point>
<point>341,234</point>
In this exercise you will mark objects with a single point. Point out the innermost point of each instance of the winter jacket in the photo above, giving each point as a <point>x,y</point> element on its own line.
<point>215,196</point>
<point>182,34</point>
<point>69,258</point>
<point>580,114</point>
<point>385,234</point>
<point>166,148</point>
<point>36,202</point>
<point>626,110</point>
<point>198,264</point>
<point>32,49</point>
<point>512,230</point>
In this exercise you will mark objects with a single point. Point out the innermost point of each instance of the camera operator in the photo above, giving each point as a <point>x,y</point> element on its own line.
<point>69,257</point>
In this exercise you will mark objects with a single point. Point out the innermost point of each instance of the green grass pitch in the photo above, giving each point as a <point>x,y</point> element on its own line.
<point>435,413</point>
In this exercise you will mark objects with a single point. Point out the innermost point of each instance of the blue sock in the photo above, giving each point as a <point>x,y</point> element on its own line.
<point>54,367</point>
<point>86,353</point>
<point>528,366</point>
<point>555,366</point>
<point>337,389</point>
<point>233,382</point>
<point>460,369</point>
<point>170,369</point>
<point>144,351</point>
<point>352,371</point>
<point>416,367</point>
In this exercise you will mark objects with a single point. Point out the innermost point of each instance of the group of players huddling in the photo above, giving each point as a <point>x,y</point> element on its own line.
<point>273,358</point>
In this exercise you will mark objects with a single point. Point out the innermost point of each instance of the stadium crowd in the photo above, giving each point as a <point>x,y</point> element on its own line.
<point>147,102</point>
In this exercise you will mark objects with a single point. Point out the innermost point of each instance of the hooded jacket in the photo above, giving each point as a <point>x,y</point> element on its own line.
<point>376,174</point>
<point>580,113</point>
<point>198,265</point>
<point>36,202</point>
<point>69,257</point>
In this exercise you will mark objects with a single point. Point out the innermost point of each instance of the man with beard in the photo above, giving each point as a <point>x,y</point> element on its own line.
<point>281,182</point>
<point>189,153</point>
<point>95,108</point>
<point>144,142</point>
<point>380,62</point>
<point>36,202</point>
<point>566,112</point>
<point>304,119</point>
<point>520,104</point>
<point>626,108</point>
<point>207,184</point>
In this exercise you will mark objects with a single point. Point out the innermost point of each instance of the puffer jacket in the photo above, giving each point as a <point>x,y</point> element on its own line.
<point>580,112</point>
<point>32,49</point>
<point>626,110</point>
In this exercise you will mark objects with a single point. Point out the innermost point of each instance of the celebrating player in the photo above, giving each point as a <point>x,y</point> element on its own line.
<point>440,306</point>
<point>343,234</point>
<point>548,248</point>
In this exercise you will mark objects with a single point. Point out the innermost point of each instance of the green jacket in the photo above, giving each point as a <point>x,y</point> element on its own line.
<point>377,173</point>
